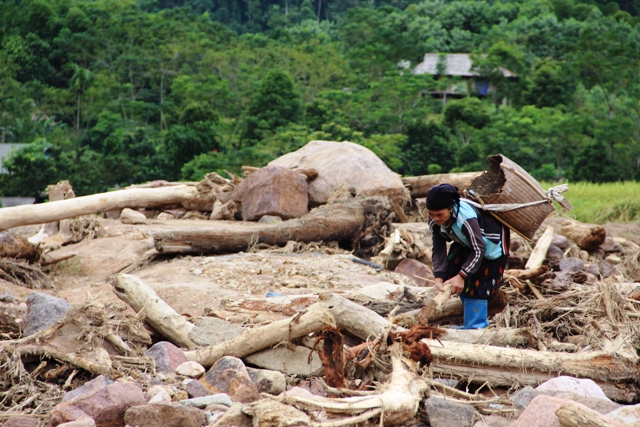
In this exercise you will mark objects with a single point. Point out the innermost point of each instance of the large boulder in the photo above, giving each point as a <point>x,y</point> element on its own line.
<point>347,163</point>
<point>273,190</point>
<point>229,375</point>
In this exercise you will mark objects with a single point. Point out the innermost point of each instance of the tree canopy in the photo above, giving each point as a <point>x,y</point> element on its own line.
<point>107,93</point>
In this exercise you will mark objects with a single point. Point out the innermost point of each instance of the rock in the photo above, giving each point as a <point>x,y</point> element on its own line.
<point>80,422</point>
<point>492,421</point>
<point>525,395</point>
<point>561,242</point>
<point>421,273</point>
<point>190,369</point>
<point>554,255</point>
<point>273,190</point>
<point>610,245</point>
<point>234,417</point>
<point>608,269</point>
<point>90,387</point>
<point>196,389</point>
<point>571,264</point>
<point>591,268</point>
<point>43,311</point>
<point>581,386</point>
<point>562,280</point>
<point>158,394</point>
<point>129,216</point>
<point>444,413</point>
<point>21,422</point>
<point>541,412</point>
<point>203,402</point>
<point>627,414</point>
<point>165,215</point>
<point>166,355</point>
<point>179,396</point>
<point>267,412</point>
<point>270,219</point>
<point>272,382</point>
<point>164,415</point>
<point>211,331</point>
<point>344,163</point>
<point>107,406</point>
<point>613,259</point>
<point>229,375</point>
<point>289,362</point>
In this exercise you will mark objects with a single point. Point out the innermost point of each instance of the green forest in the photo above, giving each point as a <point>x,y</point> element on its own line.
<point>108,93</point>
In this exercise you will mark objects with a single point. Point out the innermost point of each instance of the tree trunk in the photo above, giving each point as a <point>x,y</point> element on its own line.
<point>157,313</point>
<point>337,221</point>
<point>96,203</point>
<point>574,415</point>
<point>539,253</point>
<point>252,340</point>
<point>587,236</point>
<point>419,186</point>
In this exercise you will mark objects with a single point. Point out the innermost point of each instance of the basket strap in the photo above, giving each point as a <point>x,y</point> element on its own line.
<point>552,193</point>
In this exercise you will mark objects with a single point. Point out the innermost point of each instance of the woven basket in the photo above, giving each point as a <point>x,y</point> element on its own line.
<point>505,182</point>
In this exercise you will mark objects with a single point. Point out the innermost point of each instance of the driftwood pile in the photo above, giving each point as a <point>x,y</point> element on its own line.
<point>382,354</point>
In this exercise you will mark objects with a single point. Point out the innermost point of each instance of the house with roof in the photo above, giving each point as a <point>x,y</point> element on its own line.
<point>460,66</point>
<point>5,150</point>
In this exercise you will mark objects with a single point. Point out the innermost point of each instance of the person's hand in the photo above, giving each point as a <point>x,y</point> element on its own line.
<point>457,283</point>
<point>438,285</point>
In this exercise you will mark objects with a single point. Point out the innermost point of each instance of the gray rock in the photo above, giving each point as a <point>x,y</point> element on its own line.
<point>571,264</point>
<point>88,388</point>
<point>196,389</point>
<point>273,190</point>
<point>164,415</point>
<point>287,361</point>
<point>43,311</point>
<point>211,331</point>
<point>607,269</point>
<point>561,242</point>
<point>229,375</point>
<point>129,216</point>
<point>591,268</point>
<point>166,355</point>
<point>444,413</point>
<point>203,402</point>
<point>562,280</point>
<point>272,382</point>
<point>554,255</point>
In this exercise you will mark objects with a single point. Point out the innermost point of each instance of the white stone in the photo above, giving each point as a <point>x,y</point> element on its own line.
<point>129,216</point>
<point>160,396</point>
<point>581,386</point>
<point>204,401</point>
<point>165,215</point>
<point>630,415</point>
<point>190,369</point>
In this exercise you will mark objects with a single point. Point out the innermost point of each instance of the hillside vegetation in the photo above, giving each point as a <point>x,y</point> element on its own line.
<point>109,93</point>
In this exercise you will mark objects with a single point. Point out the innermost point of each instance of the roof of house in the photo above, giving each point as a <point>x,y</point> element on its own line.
<point>6,148</point>
<point>457,64</point>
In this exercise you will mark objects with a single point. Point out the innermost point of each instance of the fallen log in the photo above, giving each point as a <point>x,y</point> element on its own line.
<point>252,340</point>
<point>337,221</point>
<point>419,186</point>
<point>587,236</point>
<point>539,253</point>
<point>157,313</point>
<point>96,203</point>
<point>575,415</point>
<point>13,245</point>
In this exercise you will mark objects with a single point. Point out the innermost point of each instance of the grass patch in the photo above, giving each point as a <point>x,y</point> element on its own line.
<point>601,203</point>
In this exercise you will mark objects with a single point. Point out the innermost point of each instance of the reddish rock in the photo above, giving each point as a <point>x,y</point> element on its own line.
<point>107,406</point>
<point>196,389</point>
<point>21,422</point>
<point>90,387</point>
<point>229,375</point>
<point>419,272</point>
<point>164,415</point>
<point>166,355</point>
<point>273,190</point>
<point>80,422</point>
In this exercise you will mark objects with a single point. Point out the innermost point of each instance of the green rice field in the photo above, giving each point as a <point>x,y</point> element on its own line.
<point>602,203</point>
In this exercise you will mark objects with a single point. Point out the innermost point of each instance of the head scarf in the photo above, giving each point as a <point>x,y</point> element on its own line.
<point>442,196</point>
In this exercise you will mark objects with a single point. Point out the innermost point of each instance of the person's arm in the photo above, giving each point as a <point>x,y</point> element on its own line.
<point>471,229</point>
<point>438,254</point>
